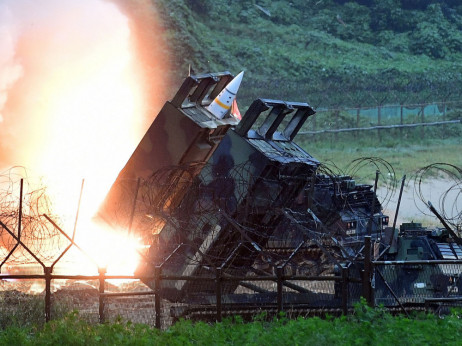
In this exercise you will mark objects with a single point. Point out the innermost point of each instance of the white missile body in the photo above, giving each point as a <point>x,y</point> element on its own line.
<point>222,103</point>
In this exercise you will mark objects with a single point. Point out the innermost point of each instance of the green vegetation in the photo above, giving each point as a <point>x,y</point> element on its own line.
<point>25,310</point>
<point>403,154</point>
<point>404,160</point>
<point>328,52</point>
<point>334,53</point>
<point>366,326</point>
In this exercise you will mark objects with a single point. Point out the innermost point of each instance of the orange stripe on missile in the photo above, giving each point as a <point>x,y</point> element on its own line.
<point>221,104</point>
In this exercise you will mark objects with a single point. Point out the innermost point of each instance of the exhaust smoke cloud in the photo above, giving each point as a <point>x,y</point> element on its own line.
<point>80,82</point>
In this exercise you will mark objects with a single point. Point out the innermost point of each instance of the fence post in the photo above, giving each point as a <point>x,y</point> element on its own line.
<point>367,290</point>
<point>47,271</point>
<point>279,288</point>
<point>157,282</point>
<point>358,112</point>
<point>345,290</point>
<point>314,127</point>
<point>218,292</point>
<point>444,119</point>
<point>422,118</point>
<point>336,123</point>
<point>401,120</point>
<point>379,121</point>
<point>102,281</point>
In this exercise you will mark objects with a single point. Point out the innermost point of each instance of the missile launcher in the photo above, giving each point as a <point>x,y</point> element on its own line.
<point>211,194</point>
<point>237,224</point>
<point>185,134</point>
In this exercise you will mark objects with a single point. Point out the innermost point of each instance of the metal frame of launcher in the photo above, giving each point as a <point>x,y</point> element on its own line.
<point>277,171</point>
<point>248,174</point>
<point>183,134</point>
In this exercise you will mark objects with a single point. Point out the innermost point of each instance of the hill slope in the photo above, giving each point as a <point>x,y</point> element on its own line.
<point>330,52</point>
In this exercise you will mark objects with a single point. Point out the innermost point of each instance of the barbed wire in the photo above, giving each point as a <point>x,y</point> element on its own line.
<point>223,207</point>
<point>35,232</point>
<point>227,206</point>
<point>449,201</point>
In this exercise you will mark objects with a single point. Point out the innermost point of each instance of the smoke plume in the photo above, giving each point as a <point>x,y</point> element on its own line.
<point>77,82</point>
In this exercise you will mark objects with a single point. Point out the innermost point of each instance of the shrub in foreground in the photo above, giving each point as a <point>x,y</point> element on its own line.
<point>366,326</point>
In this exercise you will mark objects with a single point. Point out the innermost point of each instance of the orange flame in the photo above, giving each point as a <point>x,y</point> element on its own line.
<point>76,106</point>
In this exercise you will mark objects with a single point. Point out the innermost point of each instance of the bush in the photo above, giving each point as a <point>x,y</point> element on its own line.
<point>21,310</point>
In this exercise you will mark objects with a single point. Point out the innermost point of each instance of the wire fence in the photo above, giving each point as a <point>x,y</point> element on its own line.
<point>302,280</point>
<point>398,119</point>
<point>272,257</point>
<point>331,93</point>
<point>399,286</point>
<point>100,304</point>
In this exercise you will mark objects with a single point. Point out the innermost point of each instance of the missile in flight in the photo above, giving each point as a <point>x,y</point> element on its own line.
<point>221,105</point>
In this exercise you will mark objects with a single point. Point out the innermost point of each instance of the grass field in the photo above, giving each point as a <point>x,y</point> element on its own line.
<point>366,326</point>
<point>406,157</point>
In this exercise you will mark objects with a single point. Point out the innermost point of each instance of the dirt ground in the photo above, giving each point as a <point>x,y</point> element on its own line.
<point>413,209</point>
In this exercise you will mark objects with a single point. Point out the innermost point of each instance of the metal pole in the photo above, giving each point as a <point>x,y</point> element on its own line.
<point>218,293</point>
<point>444,110</point>
<point>314,127</point>
<point>78,209</point>
<point>102,273</point>
<point>279,288</point>
<point>391,291</point>
<point>422,121</point>
<point>47,272</point>
<point>444,119</point>
<point>134,207</point>
<point>5,227</point>
<point>157,281</point>
<point>399,201</point>
<point>19,227</point>
<point>401,121</point>
<point>64,234</point>
<point>345,291</point>
<point>358,112</point>
<point>451,232</point>
<point>371,220</point>
<point>20,208</point>
<point>337,112</point>
<point>367,270</point>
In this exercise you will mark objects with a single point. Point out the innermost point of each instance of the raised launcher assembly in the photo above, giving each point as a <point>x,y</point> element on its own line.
<point>227,216</point>
<point>184,133</point>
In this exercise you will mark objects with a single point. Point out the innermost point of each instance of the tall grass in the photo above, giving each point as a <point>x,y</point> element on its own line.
<point>406,150</point>
<point>367,326</point>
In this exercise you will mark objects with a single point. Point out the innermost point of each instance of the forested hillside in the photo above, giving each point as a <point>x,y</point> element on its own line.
<point>327,52</point>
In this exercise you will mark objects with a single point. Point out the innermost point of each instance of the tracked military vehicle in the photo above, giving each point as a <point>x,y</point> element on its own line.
<point>422,264</point>
<point>212,194</point>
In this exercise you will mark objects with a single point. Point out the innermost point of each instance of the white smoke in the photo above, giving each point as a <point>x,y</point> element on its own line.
<point>74,76</point>
<point>10,69</point>
<point>79,81</point>
<point>47,49</point>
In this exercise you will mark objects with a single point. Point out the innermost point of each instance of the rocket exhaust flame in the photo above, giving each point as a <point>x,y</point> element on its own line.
<point>73,102</point>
